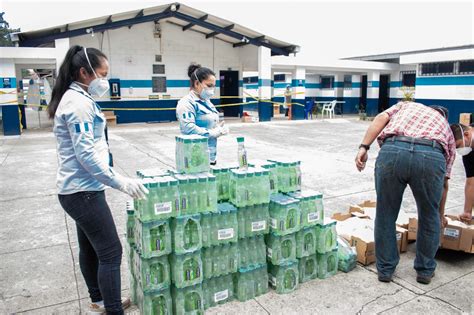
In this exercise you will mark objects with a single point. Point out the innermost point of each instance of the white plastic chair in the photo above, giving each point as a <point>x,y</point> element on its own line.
<point>329,108</point>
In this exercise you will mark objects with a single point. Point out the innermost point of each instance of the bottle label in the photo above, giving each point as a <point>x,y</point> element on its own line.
<point>259,225</point>
<point>313,216</point>
<point>269,252</point>
<point>273,223</point>
<point>221,296</point>
<point>163,207</point>
<point>225,234</point>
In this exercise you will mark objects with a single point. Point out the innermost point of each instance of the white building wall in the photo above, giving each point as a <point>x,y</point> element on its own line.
<point>131,54</point>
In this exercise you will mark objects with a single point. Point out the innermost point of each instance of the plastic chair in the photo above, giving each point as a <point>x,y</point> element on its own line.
<point>329,108</point>
<point>308,109</point>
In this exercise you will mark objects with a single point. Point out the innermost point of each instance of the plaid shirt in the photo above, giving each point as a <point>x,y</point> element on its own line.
<point>419,121</point>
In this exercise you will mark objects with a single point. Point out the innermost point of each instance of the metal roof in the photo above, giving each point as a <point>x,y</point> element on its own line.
<point>396,56</point>
<point>186,17</point>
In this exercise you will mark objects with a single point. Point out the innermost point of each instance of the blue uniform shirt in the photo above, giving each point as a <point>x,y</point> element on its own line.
<point>83,153</point>
<point>197,116</point>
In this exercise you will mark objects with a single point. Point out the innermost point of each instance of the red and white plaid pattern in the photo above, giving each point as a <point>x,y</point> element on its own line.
<point>419,121</point>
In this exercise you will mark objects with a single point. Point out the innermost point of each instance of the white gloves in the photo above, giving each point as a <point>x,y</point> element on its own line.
<point>218,131</point>
<point>133,187</point>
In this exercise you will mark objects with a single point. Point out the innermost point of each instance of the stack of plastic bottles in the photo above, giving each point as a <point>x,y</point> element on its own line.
<point>249,192</point>
<point>192,154</point>
<point>205,236</point>
<point>347,255</point>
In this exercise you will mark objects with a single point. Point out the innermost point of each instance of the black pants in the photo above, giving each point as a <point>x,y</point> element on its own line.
<point>100,251</point>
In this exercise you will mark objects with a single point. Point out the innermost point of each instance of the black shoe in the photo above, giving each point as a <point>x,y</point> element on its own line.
<point>424,279</point>
<point>383,278</point>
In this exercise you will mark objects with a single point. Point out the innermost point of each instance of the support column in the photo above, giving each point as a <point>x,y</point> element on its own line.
<point>9,99</point>
<point>372,93</point>
<point>299,89</point>
<point>339,93</point>
<point>264,83</point>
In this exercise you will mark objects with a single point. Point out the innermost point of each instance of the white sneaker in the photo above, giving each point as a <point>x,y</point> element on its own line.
<point>98,308</point>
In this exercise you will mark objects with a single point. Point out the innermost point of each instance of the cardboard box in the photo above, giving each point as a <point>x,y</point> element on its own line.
<point>465,118</point>
<point>458,235</point>
<point>412,229</point>
<point>402,239</point>
<point>365,250</point>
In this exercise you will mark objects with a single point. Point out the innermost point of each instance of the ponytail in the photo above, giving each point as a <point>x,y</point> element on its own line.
<point>69,71</point>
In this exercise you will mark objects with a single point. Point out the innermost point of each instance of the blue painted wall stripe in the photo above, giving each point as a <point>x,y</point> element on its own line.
<point>458,80</point>
<point>395,84</point>
<point>356,84</point>
<point>313,85</point>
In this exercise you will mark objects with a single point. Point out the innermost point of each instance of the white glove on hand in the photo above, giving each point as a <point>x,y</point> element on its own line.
<point>224,129</point>
<point>133,187</point>
<point>215,132</point>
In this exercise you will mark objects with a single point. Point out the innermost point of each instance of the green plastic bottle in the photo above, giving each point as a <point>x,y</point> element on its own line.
<point>327,264</point>
<point>308,268</point>
<point>186,234</point>
<point>280,249</point>
<point>188,300</point>
<point>186,270</point>
<point>306,242</point>
<point>284,278</point>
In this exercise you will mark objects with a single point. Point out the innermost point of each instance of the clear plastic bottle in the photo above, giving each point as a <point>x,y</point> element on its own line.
<point>242,154</point>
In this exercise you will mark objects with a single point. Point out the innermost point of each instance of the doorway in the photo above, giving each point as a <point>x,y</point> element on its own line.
<point>363,94</point>
<point>229,86</point>
<point>384,92</point>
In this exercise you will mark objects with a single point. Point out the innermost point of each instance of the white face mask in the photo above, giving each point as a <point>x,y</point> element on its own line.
<point>99,86</point>
<point>206,93</point>
<point>465,150</point>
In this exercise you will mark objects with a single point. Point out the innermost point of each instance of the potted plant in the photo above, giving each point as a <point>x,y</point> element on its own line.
<point>408,93</point>
<point>361,109</point>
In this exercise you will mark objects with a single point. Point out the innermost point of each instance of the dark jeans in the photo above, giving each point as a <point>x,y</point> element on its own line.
<point>100,251</point>
<point>423,168</point>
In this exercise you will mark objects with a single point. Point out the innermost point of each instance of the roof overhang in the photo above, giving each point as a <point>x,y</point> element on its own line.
<point>186,17</point>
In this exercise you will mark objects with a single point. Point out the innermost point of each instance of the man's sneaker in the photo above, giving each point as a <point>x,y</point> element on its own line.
<point>424,279</point>
<point>384,278</point>
<point>98,308</point>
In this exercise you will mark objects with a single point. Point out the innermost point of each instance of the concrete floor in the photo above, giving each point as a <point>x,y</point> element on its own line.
<point>39,272</point>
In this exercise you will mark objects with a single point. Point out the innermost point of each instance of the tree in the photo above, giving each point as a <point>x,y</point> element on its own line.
<point>5,32</point>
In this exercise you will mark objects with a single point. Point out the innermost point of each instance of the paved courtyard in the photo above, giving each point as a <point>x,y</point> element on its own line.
<point>39,271</point>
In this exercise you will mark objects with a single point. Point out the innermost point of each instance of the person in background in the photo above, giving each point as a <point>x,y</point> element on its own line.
<point>417,149</point>
<point>84,173</point>
<point>464,136</point>
<point>287,103</point>
<point>195,112</point>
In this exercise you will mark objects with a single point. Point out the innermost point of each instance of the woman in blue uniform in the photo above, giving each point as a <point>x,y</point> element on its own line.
<point>195,112</point>
<point>84,173</point>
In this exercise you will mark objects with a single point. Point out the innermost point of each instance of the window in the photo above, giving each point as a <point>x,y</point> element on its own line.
<point>158,58</point>
<point>279,78</point>
<point>159,84</point>
<point>408,78</point>
<point>158,69</point>
<point>439,68</point>
<point>348,82</point>
<point>248,80</point>
<point>327,82</point>
<point>466,67</point>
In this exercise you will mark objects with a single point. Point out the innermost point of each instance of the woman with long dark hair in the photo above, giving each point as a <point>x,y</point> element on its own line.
<point>84,173</point>
<point>195,112</point>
